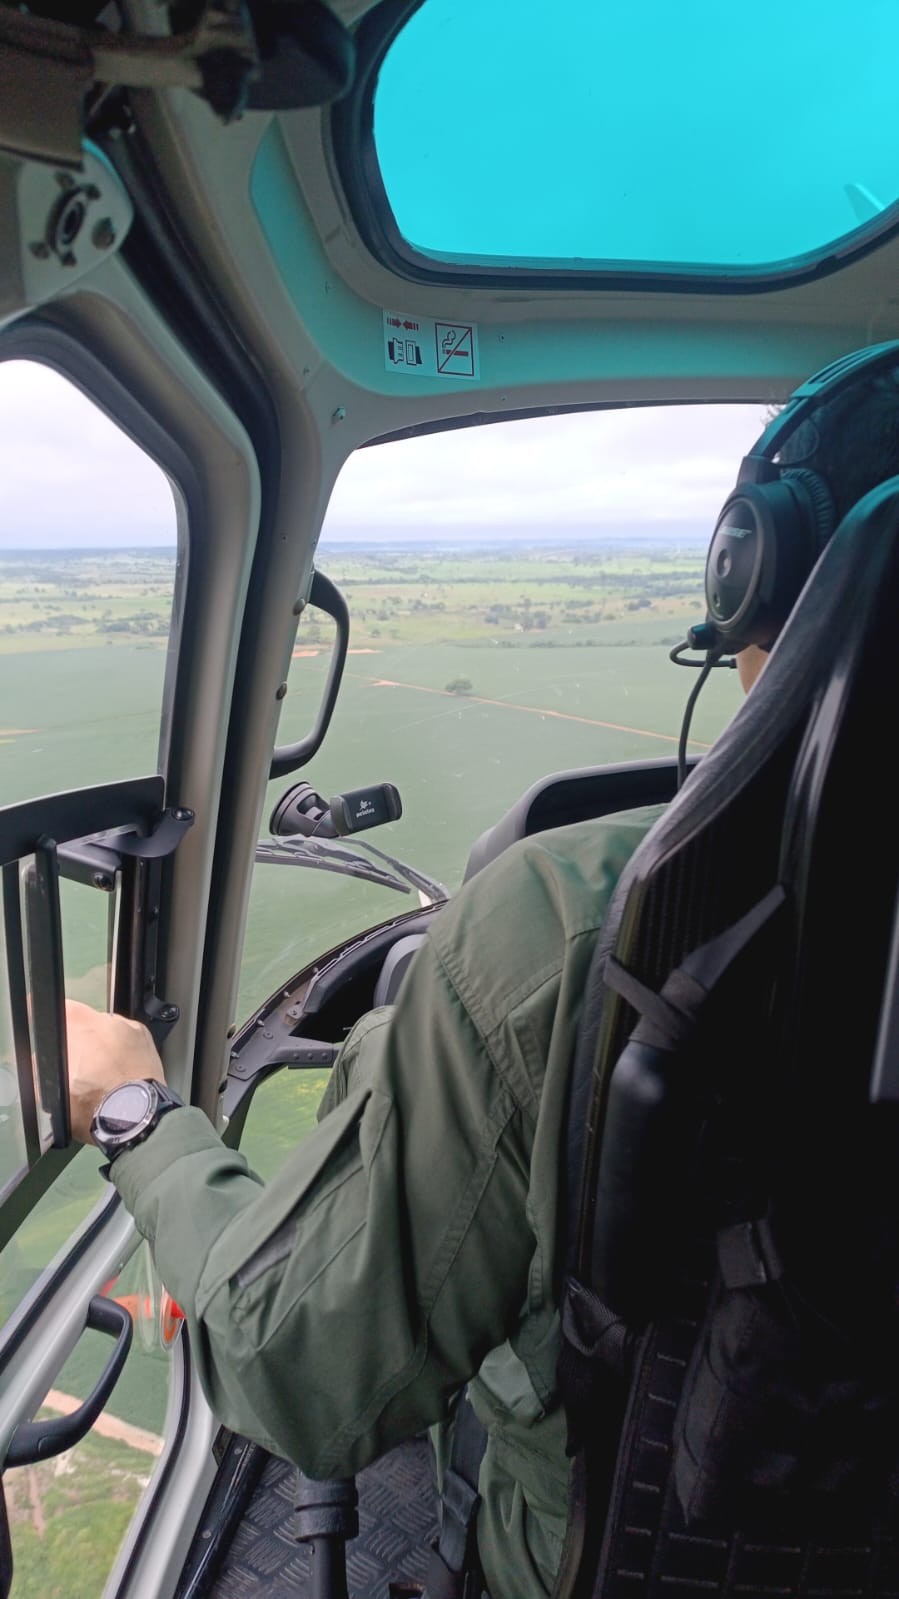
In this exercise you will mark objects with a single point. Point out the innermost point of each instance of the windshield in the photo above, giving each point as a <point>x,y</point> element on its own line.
<point>514,592</point>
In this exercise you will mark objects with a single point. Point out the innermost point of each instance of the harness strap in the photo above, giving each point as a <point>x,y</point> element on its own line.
<point>453,1569</point>
<point>748,1257</point>
<point>667,1019</point>
<point>594,1340</point>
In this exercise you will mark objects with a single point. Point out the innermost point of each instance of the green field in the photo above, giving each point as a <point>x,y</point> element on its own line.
<point>557,658</point>
<point>565,652</point>
<point>69,1515</point>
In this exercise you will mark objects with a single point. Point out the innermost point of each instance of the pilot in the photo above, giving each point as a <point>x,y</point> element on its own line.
<point>408,1246</point>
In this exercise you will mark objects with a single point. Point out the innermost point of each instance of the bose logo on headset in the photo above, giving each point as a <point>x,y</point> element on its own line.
<point>775,524</point>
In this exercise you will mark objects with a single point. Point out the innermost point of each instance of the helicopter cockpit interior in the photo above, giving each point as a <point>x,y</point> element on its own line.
<point>373,375</point>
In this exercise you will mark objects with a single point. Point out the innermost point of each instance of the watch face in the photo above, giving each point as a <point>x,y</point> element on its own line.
<point>125,1108</point>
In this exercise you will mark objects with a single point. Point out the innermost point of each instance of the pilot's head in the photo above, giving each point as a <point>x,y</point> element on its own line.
<point>852,442</point>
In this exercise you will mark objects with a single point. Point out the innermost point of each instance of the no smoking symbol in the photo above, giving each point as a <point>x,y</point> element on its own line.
<point>455,349</point>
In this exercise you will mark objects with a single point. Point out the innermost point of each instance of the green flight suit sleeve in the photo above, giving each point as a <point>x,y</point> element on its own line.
<point>334,1310</point>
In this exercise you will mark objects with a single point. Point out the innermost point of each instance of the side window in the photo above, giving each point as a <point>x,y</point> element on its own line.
<point>514,592</point>
<point>88,571</point>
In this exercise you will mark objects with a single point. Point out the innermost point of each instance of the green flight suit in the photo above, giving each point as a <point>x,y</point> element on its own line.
<point>410,1241</point>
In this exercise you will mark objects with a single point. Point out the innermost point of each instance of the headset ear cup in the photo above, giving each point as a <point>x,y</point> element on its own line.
<point>776,522</point>
<point>818,510</point>
<point>766,541</point>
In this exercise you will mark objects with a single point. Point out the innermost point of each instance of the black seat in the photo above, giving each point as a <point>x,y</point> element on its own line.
<point>733,1239</point>
<point>580,795</point>
<point>396,964</point>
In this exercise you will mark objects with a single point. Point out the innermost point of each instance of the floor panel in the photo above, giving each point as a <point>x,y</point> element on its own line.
<point>397,1520</point>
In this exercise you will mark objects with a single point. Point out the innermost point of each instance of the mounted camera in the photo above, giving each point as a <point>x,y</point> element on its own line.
<point>302,810</point>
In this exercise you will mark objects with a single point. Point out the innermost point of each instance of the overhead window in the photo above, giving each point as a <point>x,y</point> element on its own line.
<point>690,138</point>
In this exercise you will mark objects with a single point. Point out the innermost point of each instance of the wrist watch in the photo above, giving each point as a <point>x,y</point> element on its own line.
<point>128,1114</point>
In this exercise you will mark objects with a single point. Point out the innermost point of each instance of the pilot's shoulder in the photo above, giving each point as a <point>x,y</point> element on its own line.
<point>590,849</point>
<point>566,865</point>
<point>520,912</point>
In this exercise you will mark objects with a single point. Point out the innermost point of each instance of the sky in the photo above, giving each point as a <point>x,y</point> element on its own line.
<point>69,478</point>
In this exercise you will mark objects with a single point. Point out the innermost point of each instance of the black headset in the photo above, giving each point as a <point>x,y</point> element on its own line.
<point>775,524</point>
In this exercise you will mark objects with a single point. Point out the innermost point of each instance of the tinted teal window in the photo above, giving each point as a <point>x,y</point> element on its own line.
<point>702,134</point>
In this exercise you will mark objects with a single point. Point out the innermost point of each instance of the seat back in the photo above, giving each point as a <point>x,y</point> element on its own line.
<point>732,1246</point>
<point>576,796</point>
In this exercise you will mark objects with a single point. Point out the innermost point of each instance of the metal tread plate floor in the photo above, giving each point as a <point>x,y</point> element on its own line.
<point>397,1520</point>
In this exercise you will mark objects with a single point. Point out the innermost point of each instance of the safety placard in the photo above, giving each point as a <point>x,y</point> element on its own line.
<point>421,347</point>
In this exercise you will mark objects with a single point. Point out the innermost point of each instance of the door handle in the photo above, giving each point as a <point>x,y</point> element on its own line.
<point>325,596</point>
<point>39,1440</point>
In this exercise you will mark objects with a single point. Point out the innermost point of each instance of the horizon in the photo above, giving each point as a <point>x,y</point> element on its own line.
<point>481,538</point>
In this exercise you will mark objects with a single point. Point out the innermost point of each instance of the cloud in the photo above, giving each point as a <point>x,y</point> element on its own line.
<point>604,470</point>
<point>71,476</point>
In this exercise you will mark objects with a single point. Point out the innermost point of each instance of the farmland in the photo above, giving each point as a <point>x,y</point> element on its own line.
<point>472,672</point>
<point>561,654</point>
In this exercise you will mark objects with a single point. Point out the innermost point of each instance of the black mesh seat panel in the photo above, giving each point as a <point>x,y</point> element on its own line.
<point>842,1552</point>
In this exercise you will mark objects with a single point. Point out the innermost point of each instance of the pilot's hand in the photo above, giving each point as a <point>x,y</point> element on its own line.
<point>104,1051</point>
